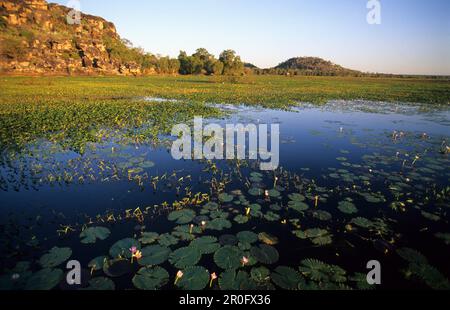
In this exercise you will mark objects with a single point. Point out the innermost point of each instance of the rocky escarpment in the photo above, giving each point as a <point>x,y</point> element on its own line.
<point>36,38</point>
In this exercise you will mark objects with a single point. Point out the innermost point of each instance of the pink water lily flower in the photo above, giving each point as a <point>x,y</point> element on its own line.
<point>133,250</point>
<point>244,260</point>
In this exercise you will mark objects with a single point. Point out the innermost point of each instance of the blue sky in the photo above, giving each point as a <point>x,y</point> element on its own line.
<point>413,37</point>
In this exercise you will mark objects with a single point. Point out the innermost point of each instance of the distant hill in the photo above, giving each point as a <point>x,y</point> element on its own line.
<point>250,66</point>
<point>311,66</point>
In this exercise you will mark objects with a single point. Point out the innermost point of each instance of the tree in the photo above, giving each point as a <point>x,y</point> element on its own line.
<point>184,63</point>
<point>217,68</point>
<point>174,66</point>
<point>232,64</point>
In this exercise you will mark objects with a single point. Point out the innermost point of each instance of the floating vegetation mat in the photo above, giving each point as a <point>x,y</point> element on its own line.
<point>357,182</point>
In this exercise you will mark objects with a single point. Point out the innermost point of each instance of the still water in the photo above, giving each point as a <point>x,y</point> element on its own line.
<point>357,181</point>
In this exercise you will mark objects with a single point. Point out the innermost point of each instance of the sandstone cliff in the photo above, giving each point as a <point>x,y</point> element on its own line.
<point>36,38</point>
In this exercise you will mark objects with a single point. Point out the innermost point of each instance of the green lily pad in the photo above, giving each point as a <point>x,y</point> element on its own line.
<point>255,210</point>
<point>362,222</point>
<point>412,256</point>
<point>244,246</point>
<point>91,234</point>
<point>205,244</point>
<point>298,206</point>
<point>320,271</point>
<point>241,219</point>
<point>218,224</point>
<point>431,216</point>
<point>147,164</point>
<point>117,267</point>
<point>322,215</point>
<point>55,257</point>
<point>154,255</point>
<point>228,240</point>
<point>296,197</point>
<point>148,237</point>
<point>44,280</point>
<point>185,257</point>
<point>122,248</point>
<point>255,191</point>
<point>236,280</point>
<point>181,216</point>
<point>271,216</point>
<point>274,193</point>
<point>260,274</point>
<point>211,206</point>
<point>347,207</point>
<point>444,237</point>
<point>194,278</point>
<point>265,254</point>
<point>167,240</point>
<point>150,278</point>
<point>224,197</point>
<point>247,236</point>
<point>97,263</point>
<point>100,284</point>
<point>286,278</point>
<point>228,257</point>
<point>360,280</point>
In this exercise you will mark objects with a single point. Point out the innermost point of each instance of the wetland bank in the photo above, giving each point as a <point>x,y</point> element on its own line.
<point>86,174</point>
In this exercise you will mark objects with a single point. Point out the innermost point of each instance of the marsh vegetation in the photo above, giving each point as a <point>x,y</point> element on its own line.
<point>85,174</point>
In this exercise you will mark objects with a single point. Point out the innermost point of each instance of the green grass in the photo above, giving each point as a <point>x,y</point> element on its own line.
<point>73,109</point>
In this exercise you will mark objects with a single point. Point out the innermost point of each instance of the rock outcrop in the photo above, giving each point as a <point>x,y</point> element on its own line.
<point>36,38</point>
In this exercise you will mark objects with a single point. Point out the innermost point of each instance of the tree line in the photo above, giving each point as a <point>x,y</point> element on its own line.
<point>200,62</point>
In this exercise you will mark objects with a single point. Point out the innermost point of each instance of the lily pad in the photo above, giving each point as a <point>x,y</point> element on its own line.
<point>228,239</point>
<point>122,248</point>
<point>286,278</point>
<point>247,236</point>
<point>205,244</point>
<point>271,216</point>
<point>148,237</point>
<point>194,278</point>
<point>362,222</point>
<point>91,234</point>
<point>185,257</point>
<point>218,224</point>
<point>265,254</point>
<point>296,197</point>
<point>117,267</point>
<point>150,278</point>
<point>55,257</point>
<point>224,197</point>
<point>256,191</point>
<point>241,219</point>
<point>97,263</point>
<point>260,274</point>
<point>347,207</point>
<point>154,255</point>
<point>100,284</point>
<point>45,279</point>
<point>181,216</point>
<point>298,206</point>
<point>167,240</point>
<point>228,257</point>
<point>236,280</point>
<point>412,256</point>
<point>274,193</point>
